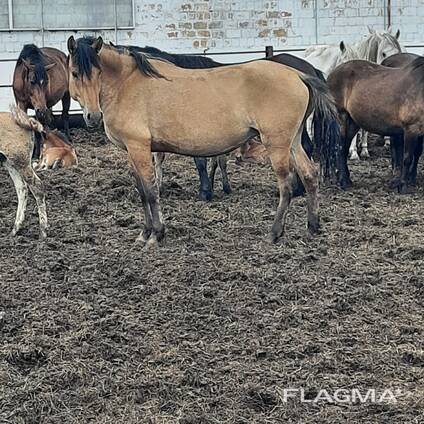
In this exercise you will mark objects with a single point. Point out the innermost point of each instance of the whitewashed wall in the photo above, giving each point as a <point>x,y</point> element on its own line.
<point>188,26</point>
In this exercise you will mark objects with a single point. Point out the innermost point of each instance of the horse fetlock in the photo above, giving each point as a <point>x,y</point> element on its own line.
<point>354,155</point>
<point>277,232</point>
<point>314,225</point>
<point>205,195</point>
<point>404,188</point>
<point>227,188</point>
<point>365,154</point>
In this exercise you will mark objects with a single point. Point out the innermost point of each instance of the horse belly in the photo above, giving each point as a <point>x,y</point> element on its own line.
<point>203,143</point>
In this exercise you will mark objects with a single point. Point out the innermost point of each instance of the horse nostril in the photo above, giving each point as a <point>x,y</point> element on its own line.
<point>88,116</point>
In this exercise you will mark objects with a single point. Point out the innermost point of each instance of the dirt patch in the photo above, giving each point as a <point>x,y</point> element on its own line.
<point>214,326</point>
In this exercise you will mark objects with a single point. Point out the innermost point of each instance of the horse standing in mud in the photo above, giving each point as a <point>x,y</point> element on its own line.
<point>142,101</point>
<point>375,47</point>
<point>203,62</point>
<point>361,90</point>
<point>396,141</point>
<point>40,80</point>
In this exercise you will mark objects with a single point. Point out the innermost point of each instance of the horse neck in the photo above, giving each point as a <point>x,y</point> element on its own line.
<point>116,68</point>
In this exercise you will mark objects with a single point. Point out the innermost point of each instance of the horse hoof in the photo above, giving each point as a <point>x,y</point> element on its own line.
<point>205,196</point>
<point>365,155</point>
<point>405,189</point>
<point>151,243</point>
<point>394,183</point>
<point>227,189</point>
<point>314,227</point>
<point>345,184</point>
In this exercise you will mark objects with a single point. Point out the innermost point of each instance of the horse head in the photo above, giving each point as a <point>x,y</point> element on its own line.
<point>387,44</point>
<point>84,77</point>
<point>36,80</point>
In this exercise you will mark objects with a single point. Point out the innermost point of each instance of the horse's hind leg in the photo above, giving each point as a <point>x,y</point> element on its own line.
<point>308,173</point>
<point>280,161</point>
<point>66,104</point>
<point>22,193</point>
<point>348,131</point>
<point>365,154</point>
<point>222,161</point>
<point>409,145</point>
<point>37,190</point>
<point>212,172</point>
<point>353,149</point>
<point>417,154</point>
<point>158,159</point>
<point>205,192</point>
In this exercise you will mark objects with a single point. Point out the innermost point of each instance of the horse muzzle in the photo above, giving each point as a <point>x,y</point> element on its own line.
<point>44,116</point>
<point>93,120</point>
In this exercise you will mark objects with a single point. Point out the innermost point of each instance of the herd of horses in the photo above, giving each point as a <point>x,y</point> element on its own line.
<point>150,101</point>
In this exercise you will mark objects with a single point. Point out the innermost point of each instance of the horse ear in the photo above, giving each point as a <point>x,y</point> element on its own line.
<point>370,30</point>
<point>111,44</point>
<point>397,35</point>
<point>72,45</point>
<point>342,46</point>
<point>48,67</point>
<point>98,44</point>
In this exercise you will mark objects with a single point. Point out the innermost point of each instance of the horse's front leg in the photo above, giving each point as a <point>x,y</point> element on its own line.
<point>66,104</point>
<point>140,156</point>
<point>205,192</point>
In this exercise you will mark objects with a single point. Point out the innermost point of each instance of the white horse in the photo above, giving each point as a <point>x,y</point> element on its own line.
<point>375,47</point>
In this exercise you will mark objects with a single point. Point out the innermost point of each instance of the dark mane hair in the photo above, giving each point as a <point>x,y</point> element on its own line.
<point>181,60</point>
<point>32,54</point>
<point>85,56</point>
<point>416,64</point>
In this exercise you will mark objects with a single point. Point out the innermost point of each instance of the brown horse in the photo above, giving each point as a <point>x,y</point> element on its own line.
<point>40,81</point>
<point>362,89</point>
<point>151,105</point>
<point>396,142</point>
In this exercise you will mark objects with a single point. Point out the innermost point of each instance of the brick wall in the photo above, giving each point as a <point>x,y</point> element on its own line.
<point>219,25</point>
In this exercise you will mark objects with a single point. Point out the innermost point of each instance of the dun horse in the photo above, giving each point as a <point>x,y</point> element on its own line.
<point>152,105</point>
<point>361,90</point>
<point>40,81</point>
<point>202,62</point>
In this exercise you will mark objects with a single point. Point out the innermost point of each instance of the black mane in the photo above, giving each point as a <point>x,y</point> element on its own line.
<point>417,63</point>
<point>85,56</point>
<point>181,60</point>
<point>32,54</point>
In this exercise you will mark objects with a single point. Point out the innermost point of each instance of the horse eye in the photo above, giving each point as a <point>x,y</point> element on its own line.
<point>75,75</point>
<point>384,54</point>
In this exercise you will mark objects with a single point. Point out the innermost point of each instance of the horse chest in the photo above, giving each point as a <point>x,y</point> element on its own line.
<point>111,135</point>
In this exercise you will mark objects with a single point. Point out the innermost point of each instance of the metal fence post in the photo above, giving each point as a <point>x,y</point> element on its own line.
<point>269,51</point>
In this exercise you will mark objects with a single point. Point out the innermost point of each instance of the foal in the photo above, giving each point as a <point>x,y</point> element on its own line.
<point>17,141</point>
<point>151,105</point>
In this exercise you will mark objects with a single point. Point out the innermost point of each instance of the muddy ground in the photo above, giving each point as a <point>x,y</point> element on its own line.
<point>216,324</point>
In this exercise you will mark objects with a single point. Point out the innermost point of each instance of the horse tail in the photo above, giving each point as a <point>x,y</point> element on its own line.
<point>24,121</point>
<point>326,125</point>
